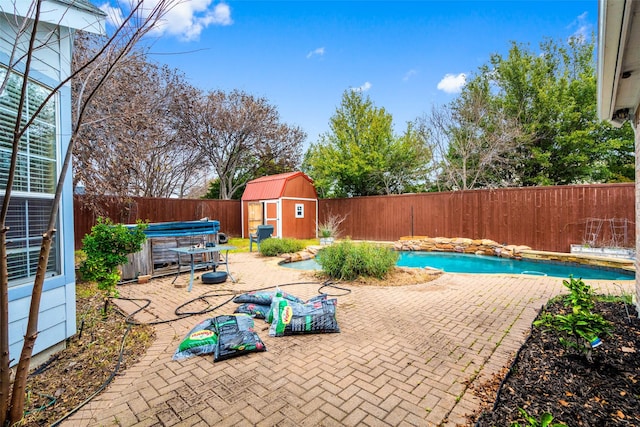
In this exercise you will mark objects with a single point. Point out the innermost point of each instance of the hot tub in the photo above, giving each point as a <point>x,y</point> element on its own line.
<point>155,258</point>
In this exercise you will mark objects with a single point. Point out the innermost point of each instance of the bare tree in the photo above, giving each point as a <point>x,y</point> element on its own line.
<point>473,143</point>
<point>29,38</point>
<point>133,146</point>
<point>240,134</point>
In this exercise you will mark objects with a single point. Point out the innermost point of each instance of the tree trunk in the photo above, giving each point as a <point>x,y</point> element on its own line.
<point>5,372</point>
<point>16,410</point>
<point>636,131</point>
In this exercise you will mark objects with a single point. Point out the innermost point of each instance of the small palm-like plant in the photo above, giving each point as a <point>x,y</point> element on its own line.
<point>581,296</point>
<point>546,420</point>
<point>581,328</point>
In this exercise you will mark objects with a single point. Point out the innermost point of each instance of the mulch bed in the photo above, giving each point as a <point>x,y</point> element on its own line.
<point>547,377</point>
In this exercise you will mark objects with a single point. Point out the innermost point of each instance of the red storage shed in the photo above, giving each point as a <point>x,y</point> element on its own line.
<point>288,201</point>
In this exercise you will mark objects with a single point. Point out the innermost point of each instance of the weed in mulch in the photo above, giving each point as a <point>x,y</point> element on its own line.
<point>549,378</point>
<point>72,375</point>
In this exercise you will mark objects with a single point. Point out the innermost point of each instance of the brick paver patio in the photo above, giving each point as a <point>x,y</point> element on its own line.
<point>404,357</point>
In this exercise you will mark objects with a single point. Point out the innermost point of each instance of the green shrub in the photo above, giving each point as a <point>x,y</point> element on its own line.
<point>275,247</point>
<point>348,261</point>
<point>106,248</point>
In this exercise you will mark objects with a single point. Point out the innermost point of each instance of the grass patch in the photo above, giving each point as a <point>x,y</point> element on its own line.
<point>275,247</point>
<point>242,245</point>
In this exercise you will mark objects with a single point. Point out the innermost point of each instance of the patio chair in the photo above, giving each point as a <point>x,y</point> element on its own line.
<point>263,232</point>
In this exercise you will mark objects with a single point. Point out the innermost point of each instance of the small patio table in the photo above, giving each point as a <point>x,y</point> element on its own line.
<point>215,261</point>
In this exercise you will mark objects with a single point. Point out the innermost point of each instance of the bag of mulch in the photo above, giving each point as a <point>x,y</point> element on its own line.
<point>263,297</point>
<point>316,316</point>
<point>202,339</point>
<point>297,308</point>
<point>236,337</point>
<point>257,311</point>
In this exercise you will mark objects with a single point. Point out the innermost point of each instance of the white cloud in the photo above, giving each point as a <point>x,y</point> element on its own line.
<point>583,28</point>
<point>222,13</point>
<point>186,19</point>
<point>114,15</point>
<point>363,88</point>
<point>452,83</point>
<point>189,18</point>
<point>409,74</point>
<point>319,52</point>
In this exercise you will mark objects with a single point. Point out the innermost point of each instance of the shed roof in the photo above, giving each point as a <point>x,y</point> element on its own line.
<point>271,186</point>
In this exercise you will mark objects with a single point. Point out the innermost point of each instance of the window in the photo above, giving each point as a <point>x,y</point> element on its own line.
<point>299,210</point>
<point>35,178</point>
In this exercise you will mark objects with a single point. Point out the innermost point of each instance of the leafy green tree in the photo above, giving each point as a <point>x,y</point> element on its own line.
<point>552,94</point>
<point>407,161</point>
<point>618,160</point>
<point>361,156</point>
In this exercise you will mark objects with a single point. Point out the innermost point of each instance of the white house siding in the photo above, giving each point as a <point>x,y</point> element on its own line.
<point>46,60</point>
<point>57,318</point>
<point>52,322</point>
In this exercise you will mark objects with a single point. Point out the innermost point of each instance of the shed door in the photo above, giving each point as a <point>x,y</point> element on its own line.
<point>271,209</point>
<point>254,216</point>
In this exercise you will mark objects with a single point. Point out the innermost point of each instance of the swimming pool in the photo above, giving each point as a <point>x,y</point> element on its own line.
<point>468,263</point>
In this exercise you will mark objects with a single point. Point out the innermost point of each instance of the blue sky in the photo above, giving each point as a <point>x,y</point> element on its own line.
<point>302,55</point>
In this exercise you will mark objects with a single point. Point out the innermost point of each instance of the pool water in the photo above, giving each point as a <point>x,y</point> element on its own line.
<point>469,263</point>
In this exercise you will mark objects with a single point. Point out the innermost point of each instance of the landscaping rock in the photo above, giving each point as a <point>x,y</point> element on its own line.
<point>459,244</point>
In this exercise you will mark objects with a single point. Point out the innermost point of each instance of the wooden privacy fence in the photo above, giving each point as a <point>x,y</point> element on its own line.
<point>544,218</point>
<point>156,210</point>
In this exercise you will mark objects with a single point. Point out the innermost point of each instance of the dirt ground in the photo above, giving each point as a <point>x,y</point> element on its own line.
<point>91,357</point>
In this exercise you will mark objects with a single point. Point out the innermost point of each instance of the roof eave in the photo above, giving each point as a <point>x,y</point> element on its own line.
<point>615,36</point>
<point>75,14</point>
